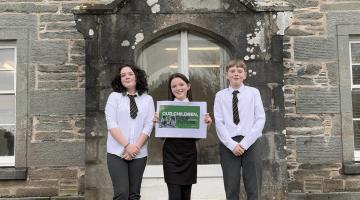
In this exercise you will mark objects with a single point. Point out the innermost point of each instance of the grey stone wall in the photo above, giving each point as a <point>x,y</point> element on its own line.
<point>312,100</point>
<point>50,142</point>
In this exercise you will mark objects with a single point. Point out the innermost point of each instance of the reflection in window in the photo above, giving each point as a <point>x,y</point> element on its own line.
<point>201,59</point>
<point>7,104</point>
<point>355,91</point>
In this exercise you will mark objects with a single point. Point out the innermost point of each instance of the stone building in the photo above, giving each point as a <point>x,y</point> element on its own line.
<point>57,59</point>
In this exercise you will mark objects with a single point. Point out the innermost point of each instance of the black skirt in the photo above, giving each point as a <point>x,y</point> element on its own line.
<point>180,161</point>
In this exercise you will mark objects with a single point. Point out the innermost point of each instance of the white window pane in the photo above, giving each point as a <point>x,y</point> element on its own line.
<point>160,59</point>
<point>203,52</point>
<point>7,138</point>
<point>357,134</point>
<point>356,74</point>
<point>7,109</point>
<point>356,103</point>
<point>7,80</point>
<point>7,61</point>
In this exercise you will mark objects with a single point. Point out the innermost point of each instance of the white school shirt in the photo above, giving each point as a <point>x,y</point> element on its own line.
<point>117,113</point>
<point>251,113</point>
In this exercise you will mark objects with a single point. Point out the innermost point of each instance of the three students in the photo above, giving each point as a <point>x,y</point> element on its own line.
<point>239,120</point>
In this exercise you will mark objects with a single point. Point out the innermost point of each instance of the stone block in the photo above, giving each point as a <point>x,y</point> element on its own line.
<point>305,131</point>
<point>320,166</point>
<point>297,121</point>
<point>296,186</point>
<point>28,8</point>
<point>310,48</point>
<point>20,20</point>
<point>311,69</point>
<point>56,17</point>
<point>57,76</point>
<point>352,185</point>
<point>58,68</point>
<point>49,52</point>
<point>309,16</point>
<point>57,85</point>
<point>304,3</point>
<point>57,102</point>
<point>340,6</point>
<point>295,80</point>
<point>61,26</point>
<point>52,173</point>
<point>318,100</point>
<point>332,69</point>
<point>77,47</point>
<point>333,185</point>
<point>61,35</point>
<point>318,149</point>
<point>56,154</point>
<point>297,32</point>
<point>68,188</point>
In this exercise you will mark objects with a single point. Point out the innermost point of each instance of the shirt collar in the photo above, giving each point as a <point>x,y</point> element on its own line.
<point>240,89</point>
<point>185,100</point>
<point>136,93</point>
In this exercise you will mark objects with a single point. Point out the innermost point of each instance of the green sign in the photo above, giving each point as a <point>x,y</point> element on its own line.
<point>176,116</point>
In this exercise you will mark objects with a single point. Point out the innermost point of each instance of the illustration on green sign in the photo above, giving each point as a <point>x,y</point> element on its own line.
<point>175,116</point>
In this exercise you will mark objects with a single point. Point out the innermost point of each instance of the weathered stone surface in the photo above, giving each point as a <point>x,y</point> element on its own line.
<point>317,100</point>
<point>77,47</point>
<point>304,3</point>
<point>299,81</point>
<point>53,173</point>
<point>352,185</point>
<point>297,32</point>
<point>318,149</point>
<point>311,69</point>
<point>56,17</point>
<point>58,102</point>
<point>332,73</point>
<point>49,52</point>
<point>340,6</point>
<point>57,154</point>
<point>314,48</point>
<point>61,26</point>
<point>333,185</point>
<point>61,35</point>
<point>28,8</point>
<point>57,85</point>
<point>295,121</point>
<point>58,68</point>
<point>311,16</point>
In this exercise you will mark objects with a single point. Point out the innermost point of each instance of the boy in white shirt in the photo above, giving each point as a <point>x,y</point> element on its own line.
<point>239,120</point>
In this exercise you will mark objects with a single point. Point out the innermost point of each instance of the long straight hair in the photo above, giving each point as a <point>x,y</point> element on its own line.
<point>171,96</point>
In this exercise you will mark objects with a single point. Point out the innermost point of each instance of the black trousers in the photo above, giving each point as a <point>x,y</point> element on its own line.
<point>126,176</point>
<point>249,164</point>
<point>179,192</point>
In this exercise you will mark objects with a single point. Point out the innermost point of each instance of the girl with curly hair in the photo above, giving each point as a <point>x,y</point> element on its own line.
<point>129,111</point>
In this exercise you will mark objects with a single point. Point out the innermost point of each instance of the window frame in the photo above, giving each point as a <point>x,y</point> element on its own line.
<point>350,165</point>
<point>9,161</point>
<point>356,86</point>
<point>21,37</point>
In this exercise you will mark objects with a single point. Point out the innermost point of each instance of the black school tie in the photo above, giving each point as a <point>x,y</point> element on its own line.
<point>235,101</point>
<point>133,107</point>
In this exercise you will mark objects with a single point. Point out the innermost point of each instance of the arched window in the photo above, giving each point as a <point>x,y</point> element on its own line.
<point>200,58</point>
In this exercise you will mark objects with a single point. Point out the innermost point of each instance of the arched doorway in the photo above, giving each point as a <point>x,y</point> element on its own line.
<point>200,58</point>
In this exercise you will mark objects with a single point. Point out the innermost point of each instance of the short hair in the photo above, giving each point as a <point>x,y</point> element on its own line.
<point>236,63</point>
<point>141,80</point>
<point>171,96</point>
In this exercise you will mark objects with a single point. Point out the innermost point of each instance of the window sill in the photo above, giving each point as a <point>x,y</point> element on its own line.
<point>11,173</point>
<point>351,168</point>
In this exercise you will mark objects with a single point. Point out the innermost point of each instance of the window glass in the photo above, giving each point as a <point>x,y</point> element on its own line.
<point>356,103</point>
<point>7,80</point>
<point>7,58</point>
<point>7,135</point>
<point>356,74</point>
<point>7,104</point>
<point>203,60</point>
<point>357,134</point>
<point>355,52</point>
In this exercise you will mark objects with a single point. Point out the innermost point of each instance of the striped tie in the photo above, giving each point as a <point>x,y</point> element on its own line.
<point>133,107</point>
<point>235,101</point>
